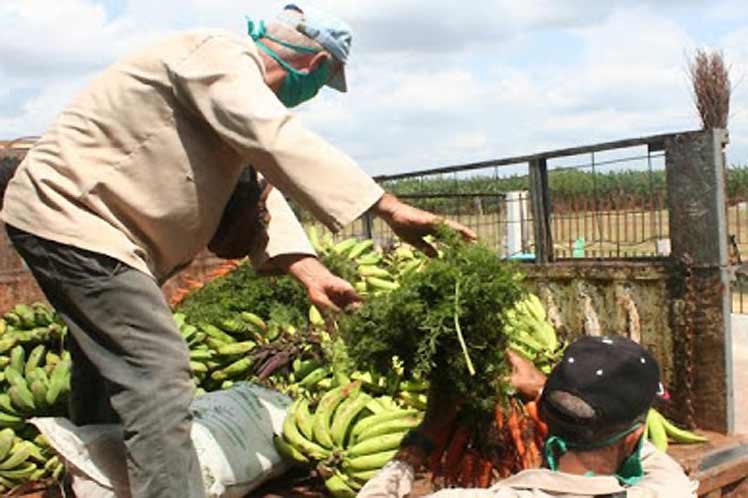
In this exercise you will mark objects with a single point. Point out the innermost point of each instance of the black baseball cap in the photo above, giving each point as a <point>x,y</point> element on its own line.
<point>600,385</point>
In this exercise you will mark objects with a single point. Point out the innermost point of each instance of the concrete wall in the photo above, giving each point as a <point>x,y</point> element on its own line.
<point>596,298</point>
<point>645,302</point>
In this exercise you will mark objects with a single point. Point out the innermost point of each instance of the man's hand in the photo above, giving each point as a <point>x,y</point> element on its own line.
<point>527,379</point>
<point>411,224</point>
<point>441,415</point>
<point>325,290</point>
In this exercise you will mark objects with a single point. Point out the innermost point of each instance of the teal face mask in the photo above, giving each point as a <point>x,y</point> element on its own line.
<point>298,87</point>
<point>629,473</point>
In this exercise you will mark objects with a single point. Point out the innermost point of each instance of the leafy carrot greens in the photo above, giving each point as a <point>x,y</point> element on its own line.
<point>444,323</point>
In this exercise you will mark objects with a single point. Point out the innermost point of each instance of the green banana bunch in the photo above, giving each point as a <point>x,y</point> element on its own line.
<point>314,377</point>
<point>59,383</point>
<point>43,314</point>
<point>292,435</point>
<point>349,433</point>
<point>345,247</point>
<point>233,370</point>
<point>312,233</point>
<point>12,320</point>
<point>24,461</point>
<point>315,317</point>
<point>26,315</point>
<point>7,342</point>
<point>340,486</point>
<point>321,427</point>
<point>18,465</point>
<point>35,383</point>
<point>26,329</point>
<point>372,441</point>
<point>254,320</point>
<point>7,437</point>
<point>302,368</point>
<point>660,431</point>
<point>219,352</point>
<point>413,400</point>
<point>531,334</point>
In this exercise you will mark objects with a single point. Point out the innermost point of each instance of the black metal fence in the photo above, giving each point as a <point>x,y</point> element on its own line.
<point>601,201</point>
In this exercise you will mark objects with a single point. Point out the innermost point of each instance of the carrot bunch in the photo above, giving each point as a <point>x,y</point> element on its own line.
<point>190,284</point>
<point>476,455</point>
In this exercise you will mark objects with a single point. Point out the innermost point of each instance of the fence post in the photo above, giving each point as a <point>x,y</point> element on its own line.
<point>700,283</point>
<point>368,223</point>
<point>541,210</point>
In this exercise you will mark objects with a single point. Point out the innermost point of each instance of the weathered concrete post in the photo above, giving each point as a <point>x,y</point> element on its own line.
<point>700,287</point>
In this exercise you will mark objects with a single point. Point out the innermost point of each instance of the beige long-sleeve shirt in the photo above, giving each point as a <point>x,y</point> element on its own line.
<point>142,163</point>
<point>663,478</point>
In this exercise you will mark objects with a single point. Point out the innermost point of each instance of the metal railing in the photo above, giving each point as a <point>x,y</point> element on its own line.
<point>606,200</point>
<point>621,211</point>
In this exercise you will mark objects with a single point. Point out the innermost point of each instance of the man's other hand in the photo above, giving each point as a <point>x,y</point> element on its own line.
<point>411,224</point>
<point>326,291</point>
<point>527,379</point>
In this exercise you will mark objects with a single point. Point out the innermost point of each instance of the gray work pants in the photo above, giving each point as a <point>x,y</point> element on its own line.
<point>130,364</point>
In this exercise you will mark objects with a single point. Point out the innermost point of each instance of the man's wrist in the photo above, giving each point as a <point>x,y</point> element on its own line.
<point>386,206</point>
<point>412,455</point>
<point>300,266</point>
<point>415,448</point>
<point>537,389</point>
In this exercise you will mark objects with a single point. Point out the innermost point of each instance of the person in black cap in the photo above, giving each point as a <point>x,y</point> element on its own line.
<point>595,403</point>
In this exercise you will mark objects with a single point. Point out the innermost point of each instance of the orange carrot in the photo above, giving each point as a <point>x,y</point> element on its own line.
<point>506,467</point>
<point>455,451</point>
<point>486,471</point>
<point>532,411</point>
<point>515,430</point>
<point>534,458</point>
<point>539,441</point>
<point>440,446</point>
<point>526,435</point>
<point>467,473</point>
<point>499,412</point>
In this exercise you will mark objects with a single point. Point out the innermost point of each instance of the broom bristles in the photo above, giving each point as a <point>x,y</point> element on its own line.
<point>710,77</point>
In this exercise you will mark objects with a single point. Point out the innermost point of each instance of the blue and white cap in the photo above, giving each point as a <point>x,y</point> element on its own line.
<point>334,34</point>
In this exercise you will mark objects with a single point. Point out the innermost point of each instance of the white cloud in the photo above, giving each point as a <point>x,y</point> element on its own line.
<point>430,83</point>
<point>36,113</point>
<point>628,80</point>
<point>62,37</point>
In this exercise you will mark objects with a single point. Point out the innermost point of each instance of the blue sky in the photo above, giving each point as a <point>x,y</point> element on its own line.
<point>432,83</point>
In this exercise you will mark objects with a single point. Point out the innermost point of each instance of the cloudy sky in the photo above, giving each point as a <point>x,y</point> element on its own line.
<point>432,82</point>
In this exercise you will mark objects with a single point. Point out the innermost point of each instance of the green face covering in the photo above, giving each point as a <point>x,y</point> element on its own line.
<point>629,473</point>
<point>298,87</point>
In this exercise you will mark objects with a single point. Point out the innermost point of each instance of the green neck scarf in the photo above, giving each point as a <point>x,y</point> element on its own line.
<point>629,473</point>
